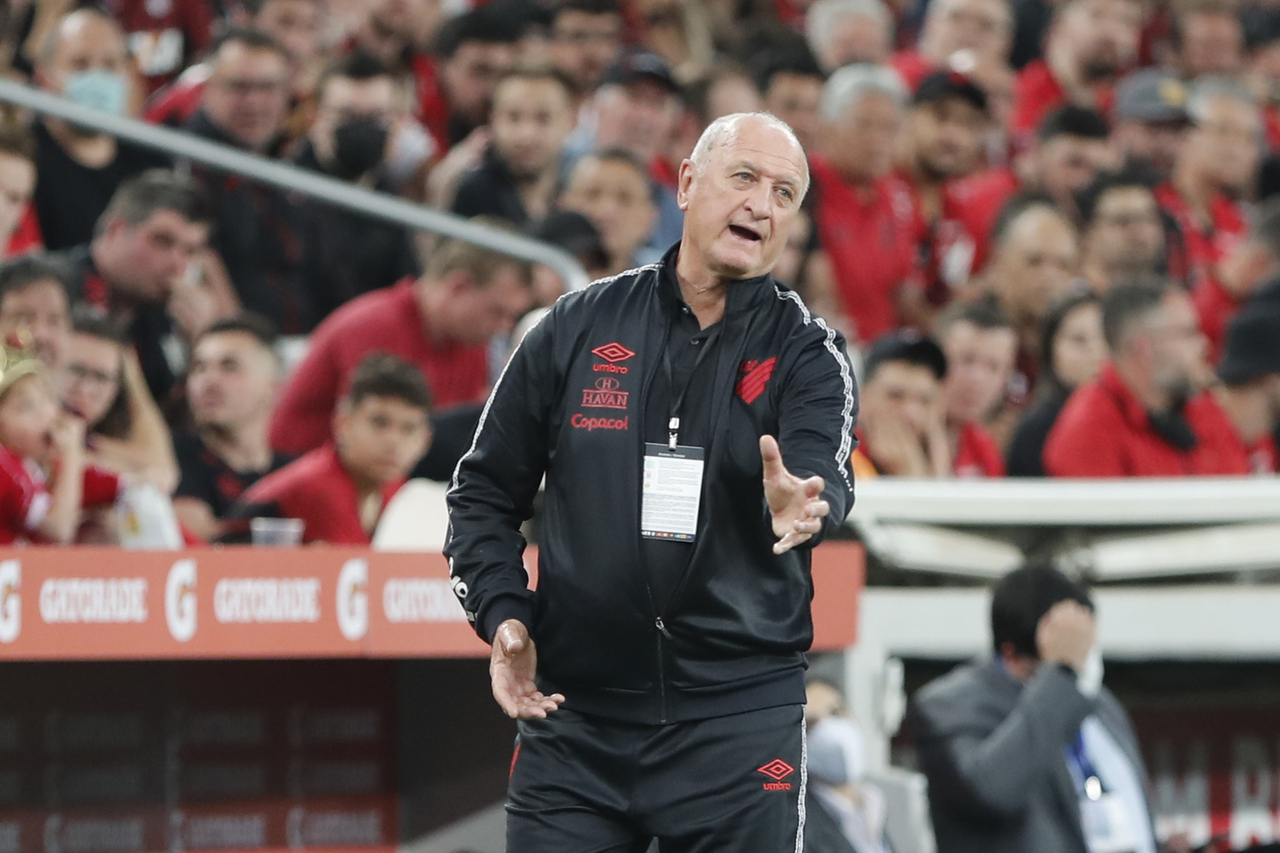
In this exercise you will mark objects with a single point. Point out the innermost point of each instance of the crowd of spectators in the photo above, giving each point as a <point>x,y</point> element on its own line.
<point>1045,228</point>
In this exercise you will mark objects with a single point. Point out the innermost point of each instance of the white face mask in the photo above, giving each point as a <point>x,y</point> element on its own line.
<point>99,90</point>
<point>835,751</point>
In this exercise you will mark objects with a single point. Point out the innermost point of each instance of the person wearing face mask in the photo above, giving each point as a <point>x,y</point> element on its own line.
<point>357,112</point>
<point>78,170</point>
<point>842,813</point>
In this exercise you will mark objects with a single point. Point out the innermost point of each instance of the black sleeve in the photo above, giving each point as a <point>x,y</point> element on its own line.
<point>818,410</point>
<point>495,485</point>
<point>193,480</point>
<point>1026,450</point>
<point>451,433</point>
<point>474,198</point>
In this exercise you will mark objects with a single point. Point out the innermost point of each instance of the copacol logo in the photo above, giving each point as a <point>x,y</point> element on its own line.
<point>180,600</point>
<point>10,601</point>
<point>353,599</point>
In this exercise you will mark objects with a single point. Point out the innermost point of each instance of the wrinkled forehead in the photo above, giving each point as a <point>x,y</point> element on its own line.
<point>766,145</point>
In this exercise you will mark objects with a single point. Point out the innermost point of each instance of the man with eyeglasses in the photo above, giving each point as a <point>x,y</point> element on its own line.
<point>586,38</point>
<point>1121,231</point>
<point>258,229</point>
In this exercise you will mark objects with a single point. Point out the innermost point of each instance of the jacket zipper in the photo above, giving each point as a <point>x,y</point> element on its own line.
<point>653,604</point>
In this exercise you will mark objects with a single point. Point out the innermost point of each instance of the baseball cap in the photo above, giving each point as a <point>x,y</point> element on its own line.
<point>906,345</point>
<point>1253,344</point>
<point>949,84</point>
<point>640,65</point>
<point>1151,95</point>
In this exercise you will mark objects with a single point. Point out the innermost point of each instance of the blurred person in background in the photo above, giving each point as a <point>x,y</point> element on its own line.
<point>1249,387</point>
<point>980,346</point>
<point>381,427</point>
<point>102,384</point>
<point>138,267</point>
<point>257,231</point>
<point>1207,38</point>
<point>231,388</point>
<point>790,85</point>
<point>1073,349</point>
<point>586,38</point>
<point>848,32</point>
<point>726,88</point>
<point>359,109</point>
<point>84,59</point>
<point>1035,255</point>
<point>1216,166</point>
<point>863,213</point>
<point>611,189</point>
<point>34,303</point>
<point>843,814</point>
<point>533,115</point>
<point>1147,414</point>
<point>473,51</point>
<point>1150,119</point>
<point>1122,235</point>
<point>982,29</point>
<point>442,323</point>
<point>1245,268</point>
<point>902,429</point>
<point>1090,44</point>
<point>19,228</point>
<point>1024,749</point>
<point>164,38</point>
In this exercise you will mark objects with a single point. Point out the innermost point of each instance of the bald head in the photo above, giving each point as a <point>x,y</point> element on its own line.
<point>724,132</point>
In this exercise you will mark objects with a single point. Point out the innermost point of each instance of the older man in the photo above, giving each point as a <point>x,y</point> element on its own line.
<point>664,698</point>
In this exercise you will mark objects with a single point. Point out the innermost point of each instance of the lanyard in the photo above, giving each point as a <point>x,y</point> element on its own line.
<point>1082,770</point>
<point>677,397</point>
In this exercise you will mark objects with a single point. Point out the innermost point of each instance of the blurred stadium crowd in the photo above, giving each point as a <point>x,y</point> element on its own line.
<point>1044,225</point>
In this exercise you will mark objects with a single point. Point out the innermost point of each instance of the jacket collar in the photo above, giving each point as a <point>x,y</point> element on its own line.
<point>744,294</point>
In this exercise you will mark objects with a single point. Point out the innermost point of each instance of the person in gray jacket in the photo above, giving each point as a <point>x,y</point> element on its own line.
<point>1025,750</point>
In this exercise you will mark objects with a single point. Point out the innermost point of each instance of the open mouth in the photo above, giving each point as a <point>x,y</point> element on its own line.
<point>745,233</point>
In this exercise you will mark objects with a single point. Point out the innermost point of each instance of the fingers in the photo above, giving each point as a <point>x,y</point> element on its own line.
<point>771,456</point>
<point>525,701</point>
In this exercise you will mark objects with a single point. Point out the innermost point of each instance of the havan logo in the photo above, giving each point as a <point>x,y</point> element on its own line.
<point>605,395</point>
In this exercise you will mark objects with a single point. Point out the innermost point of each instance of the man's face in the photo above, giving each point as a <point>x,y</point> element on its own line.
<point>982,26</point>
<point>1178,347</point>
<point>296,24</point>
<point>583,45</point>
<point>861,143</point>
<point>154,254</point>
<point>91,376</point>
<point>1224,145</point>
<point>86,42</point>
<point>380,439</point>
<point>979,364</point>
<point>475,312</point>
<point>617,199</point>
<point>1126,236</point>
<point>344,100</point>
<point>1065,164</point>
<point>739,203</point>
<point>471,75</point>
<point>1101,36</point>
<point>640,116</point>
<point>1151,144</point>
<point>231,382</point>
<point>41,309</point>
<point>947,137</point>
<point>794,98</point>
<point>1212,43</point>
<point>531,120</point>
<point>901,394</point>
<point>852,39</point>
<point>17,181</point>
<point>1035,264</point>
<point>247,95</point>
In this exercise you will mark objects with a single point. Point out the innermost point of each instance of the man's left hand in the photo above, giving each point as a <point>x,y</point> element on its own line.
<point>796,505</point>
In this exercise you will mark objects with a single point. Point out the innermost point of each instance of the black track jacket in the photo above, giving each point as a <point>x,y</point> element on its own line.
<point>732,636</point>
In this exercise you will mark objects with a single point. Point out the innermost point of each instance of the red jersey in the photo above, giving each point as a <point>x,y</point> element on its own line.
<point>1104,431</point>
<point>1037,93</point>
<point>1204,248</point>
<point>869,235</point>
<point>27,237</point>
<point>1216,306</point>
<point>911,67</point>
<point>977,454</point>
<point>163,35</point>
<point>977,201</point>
<point>317,490</point>
<point>175,104</point>
<point>944,248</point>
<point>25,500</point>
<point>433,108</point>
<point>385,320</point>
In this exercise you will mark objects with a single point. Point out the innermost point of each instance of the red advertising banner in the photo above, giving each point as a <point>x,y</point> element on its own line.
<point>110,604</point>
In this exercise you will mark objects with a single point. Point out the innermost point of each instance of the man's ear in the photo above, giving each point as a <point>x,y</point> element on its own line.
<point>683,181</point>
<point>459,281</point>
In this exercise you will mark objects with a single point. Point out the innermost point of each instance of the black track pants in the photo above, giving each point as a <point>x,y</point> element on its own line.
<point>723,785</point>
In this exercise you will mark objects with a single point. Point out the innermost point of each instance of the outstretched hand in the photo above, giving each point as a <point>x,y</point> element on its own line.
<point>795,505</point>
<point>513,663</point>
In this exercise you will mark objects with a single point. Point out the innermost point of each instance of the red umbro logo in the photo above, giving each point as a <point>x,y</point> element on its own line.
<point>755,376</point>
<point>777,770</point>
<point>612,353</point>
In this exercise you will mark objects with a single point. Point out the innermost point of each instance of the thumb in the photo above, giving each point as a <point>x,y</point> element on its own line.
<point>813,487</point>
<point>511,640</point>
<point>771,456</point>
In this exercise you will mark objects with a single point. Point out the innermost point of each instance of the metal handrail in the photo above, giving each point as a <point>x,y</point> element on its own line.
<point>293,179</point>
